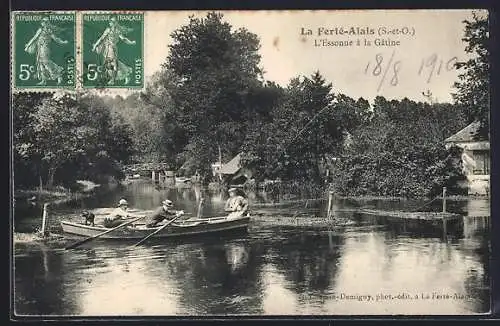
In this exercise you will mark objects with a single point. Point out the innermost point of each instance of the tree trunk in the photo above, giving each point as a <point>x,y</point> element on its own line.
<point>316,158</point>
<point>40,178</point>
<point>50,177</point>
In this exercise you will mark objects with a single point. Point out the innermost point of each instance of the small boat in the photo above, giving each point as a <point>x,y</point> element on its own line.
<point>182,180</point>
<point>181,228</point>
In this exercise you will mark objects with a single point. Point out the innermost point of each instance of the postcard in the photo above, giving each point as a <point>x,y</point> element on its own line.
<point>250,163</point>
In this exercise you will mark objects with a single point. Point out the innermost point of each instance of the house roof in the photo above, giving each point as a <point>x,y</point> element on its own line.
<point>465,135</point>
<point>476,146</point>
<point>186,164</point>
<point>232,166</point>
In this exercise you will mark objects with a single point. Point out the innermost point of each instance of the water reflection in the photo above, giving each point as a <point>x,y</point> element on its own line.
<point>310,274</point>
<point>272,270</point>
<point>126,287</point>
<point>220,280</point>
<point>39,288</point>
<point>406,266</point>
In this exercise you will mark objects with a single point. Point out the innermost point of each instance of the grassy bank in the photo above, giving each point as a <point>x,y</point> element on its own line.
<point>389,198</point>
<point>57,195</point>
<point>41,195</point>
<point>312,201</point>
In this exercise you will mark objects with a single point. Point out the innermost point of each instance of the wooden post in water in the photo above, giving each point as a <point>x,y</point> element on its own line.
<point>198,215</point>
<point>330,200</point>
<point>445,226</point>
<point>44,219</point>
<point>444,199</point>
<point>330,240</point>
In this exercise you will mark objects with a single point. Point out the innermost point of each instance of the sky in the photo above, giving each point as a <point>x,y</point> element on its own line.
<point>420,61</point>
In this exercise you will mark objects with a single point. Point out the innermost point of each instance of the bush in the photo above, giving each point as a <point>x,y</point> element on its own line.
<point>417,171</point>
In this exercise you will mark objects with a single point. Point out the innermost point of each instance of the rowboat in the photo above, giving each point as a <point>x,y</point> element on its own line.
<point>192,226</point>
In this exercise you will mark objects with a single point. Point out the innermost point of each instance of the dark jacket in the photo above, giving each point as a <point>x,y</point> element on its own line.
<point>159,215</point>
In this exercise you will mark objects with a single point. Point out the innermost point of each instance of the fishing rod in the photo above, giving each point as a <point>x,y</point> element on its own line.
<point>283,149</point>
<point>308,123</point>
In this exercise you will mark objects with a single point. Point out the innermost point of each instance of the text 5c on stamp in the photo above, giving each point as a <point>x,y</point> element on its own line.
<point>113,50</point>
<point>44,50</point>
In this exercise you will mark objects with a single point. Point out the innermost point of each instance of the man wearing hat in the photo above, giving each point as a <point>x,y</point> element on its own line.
<point>165,211</point>
<point>119,215</point>
<point>236,203</point>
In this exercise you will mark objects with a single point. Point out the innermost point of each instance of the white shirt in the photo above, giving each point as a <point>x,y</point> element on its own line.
<point>119,212</point>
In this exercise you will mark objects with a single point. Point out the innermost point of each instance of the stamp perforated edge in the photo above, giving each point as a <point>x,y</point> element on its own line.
<point>105,89</point>
<point>78,86</point>
<point>39,89</point>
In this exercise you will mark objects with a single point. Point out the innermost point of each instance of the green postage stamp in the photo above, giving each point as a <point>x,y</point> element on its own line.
<point>112,50</point>
<point>44,50</point>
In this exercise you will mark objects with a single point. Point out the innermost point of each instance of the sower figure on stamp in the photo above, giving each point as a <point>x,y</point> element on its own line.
<point>165,211</point>
<point>107,46</point>
<point>39,44</point>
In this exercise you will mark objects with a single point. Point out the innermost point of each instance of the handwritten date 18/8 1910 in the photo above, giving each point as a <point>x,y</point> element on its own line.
<point>430,67</point>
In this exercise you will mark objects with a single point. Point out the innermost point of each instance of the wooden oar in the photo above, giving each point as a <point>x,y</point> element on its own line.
<point>76,244</point>
<point>161,228</point>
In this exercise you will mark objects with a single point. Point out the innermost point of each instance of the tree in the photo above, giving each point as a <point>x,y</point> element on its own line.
<point>305,125</point>
<point>309,128</point>
<point>399,151</point>
<point>473,85</point>
<point>60,133</point>
<point>113,133</point>
<point>60,138</point>
<point>158,137</point>
<point>218,71</point>
<point>26,156</point>
<point>417,171</point>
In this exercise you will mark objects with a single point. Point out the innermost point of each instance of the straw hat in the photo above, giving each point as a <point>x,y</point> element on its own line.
<point>167,202</point>
<point>122,202</point>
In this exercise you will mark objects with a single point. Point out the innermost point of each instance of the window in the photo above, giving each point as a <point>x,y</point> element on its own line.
<point>482,160</point>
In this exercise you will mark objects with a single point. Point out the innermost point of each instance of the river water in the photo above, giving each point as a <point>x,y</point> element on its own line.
<point>276,269</point>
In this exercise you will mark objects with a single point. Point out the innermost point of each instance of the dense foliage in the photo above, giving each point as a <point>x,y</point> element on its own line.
<point>400,151</point>
<point>60,139</point>
<point>210,97</point>
<point>307,125</point>
<point>473,87</point>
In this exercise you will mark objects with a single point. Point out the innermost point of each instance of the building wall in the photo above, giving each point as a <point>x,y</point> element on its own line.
<point>476,167</point>
<point>482,162</point>
<point>479,184</point>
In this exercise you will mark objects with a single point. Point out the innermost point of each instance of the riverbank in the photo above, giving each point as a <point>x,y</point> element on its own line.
<point>322,192</point>
<point>59,195</point>
<point>31,202</point>
<point>38,238</point>
<point>388,198</point>
<point>41,195</point>
<point>368,198</point>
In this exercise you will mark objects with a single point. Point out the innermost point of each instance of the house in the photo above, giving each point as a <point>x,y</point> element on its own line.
<point>475,158</point>
<point>234,173</point>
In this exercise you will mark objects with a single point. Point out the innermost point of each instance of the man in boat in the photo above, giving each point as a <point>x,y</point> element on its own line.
<point>164,212</point>
<point>119,215</point>
<point>236,205</point>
